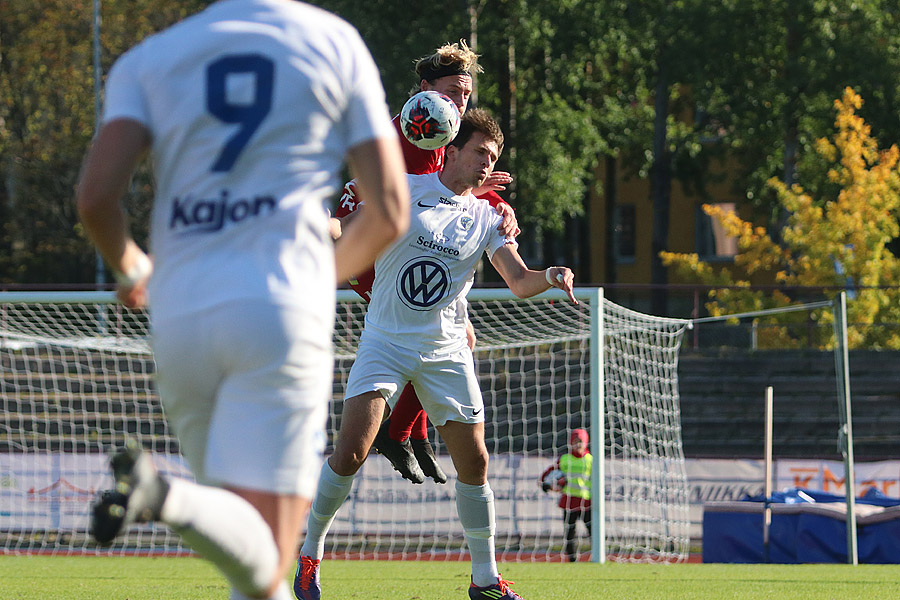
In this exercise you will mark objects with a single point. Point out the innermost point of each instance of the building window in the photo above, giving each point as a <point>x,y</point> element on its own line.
<point>625,233</point>
<point>712,242</point>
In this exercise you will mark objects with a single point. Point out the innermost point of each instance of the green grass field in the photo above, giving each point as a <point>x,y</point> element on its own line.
<point>83,578</point>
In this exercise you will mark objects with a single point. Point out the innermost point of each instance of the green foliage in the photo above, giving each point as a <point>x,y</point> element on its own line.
<point>569,81</point>
<point>397,35</point>
<point>46,123</point>
<point>43,124</point>
<point>553,177</point>
<point>768,85</point>
<point>536,82</point>
<point>831,240</point>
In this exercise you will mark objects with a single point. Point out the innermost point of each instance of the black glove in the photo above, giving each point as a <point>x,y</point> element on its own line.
<point>546,486</point>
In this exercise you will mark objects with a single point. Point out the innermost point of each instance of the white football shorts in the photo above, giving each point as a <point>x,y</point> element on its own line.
<point>246,386</point>
<point>445,383</point>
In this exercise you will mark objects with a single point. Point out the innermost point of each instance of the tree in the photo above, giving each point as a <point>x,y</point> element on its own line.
<point>553,84</point>
<point>661,87</point>
<point>397,35</point>
<point>769,84</point>
<point>833,241</point>
<point>657,51</point>
<point>46,124</point>
<point>539,81</point>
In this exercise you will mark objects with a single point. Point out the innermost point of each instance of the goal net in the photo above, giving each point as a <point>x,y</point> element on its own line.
<point>76,379</point>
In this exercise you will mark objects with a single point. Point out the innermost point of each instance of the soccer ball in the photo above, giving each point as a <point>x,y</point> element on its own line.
<point>555,479</point>
<point>429,120</point>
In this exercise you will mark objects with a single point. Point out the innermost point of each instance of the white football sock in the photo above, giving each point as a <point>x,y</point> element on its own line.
<point>226,530</point>
<point>282,593</point>
<point>475,505</point>
<point>332,491</point>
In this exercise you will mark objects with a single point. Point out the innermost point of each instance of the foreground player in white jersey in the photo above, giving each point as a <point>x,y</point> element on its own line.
<point>248,109</point>
<point>416,331</point>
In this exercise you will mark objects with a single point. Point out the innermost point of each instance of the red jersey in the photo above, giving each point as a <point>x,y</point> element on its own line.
<point>418,162</point>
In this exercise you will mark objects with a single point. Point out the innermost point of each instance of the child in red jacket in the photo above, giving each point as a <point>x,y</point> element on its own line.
<point>571,475</point>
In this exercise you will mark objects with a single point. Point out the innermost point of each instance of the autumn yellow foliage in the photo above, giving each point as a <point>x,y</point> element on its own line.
<point>829,242</point>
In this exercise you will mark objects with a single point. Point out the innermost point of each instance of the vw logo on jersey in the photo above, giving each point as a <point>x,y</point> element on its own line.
<point>423,282</point>
<point>466,222</point>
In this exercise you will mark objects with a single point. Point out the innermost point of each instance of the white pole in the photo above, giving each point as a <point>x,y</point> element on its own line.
<point>598,439</point>
<point>842,365</point>
<point>767,520</point>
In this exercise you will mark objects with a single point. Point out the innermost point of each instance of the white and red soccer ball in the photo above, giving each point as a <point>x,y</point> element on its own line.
<point>556,479</point>
<point>429,120</point>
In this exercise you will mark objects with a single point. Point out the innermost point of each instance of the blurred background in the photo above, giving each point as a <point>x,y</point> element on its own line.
<point>667,150</point>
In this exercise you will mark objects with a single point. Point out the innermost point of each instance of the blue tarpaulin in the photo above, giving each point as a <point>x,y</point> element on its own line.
<point>807,527</point>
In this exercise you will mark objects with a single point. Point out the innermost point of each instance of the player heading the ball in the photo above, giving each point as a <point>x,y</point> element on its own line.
<point>415,331</point>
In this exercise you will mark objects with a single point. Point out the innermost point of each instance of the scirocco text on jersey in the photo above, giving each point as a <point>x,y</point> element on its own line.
<point>421,241</point>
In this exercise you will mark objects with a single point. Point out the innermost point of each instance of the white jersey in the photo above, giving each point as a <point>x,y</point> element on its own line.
<point>421,282</point>
<point>252,105</point>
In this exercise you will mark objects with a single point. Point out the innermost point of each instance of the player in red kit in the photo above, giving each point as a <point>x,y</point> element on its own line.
<point>403,438</point>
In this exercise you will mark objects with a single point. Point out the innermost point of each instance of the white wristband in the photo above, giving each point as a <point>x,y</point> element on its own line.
<point>141,269</point>
<point>559,276</point>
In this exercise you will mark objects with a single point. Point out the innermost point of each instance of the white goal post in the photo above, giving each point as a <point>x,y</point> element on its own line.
<point>76,378</point>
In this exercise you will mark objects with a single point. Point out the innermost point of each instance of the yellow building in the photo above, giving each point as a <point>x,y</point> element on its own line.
<point>626,259</point>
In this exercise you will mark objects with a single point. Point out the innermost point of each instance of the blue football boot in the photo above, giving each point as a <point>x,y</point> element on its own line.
<point>306,579</point>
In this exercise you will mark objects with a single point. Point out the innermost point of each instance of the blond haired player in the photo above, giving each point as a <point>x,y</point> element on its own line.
<point>449,70</point>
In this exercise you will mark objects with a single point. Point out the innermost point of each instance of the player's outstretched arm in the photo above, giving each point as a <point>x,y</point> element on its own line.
<point>381,178</point>
<point>525,282</point>
<point>115,153</point>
